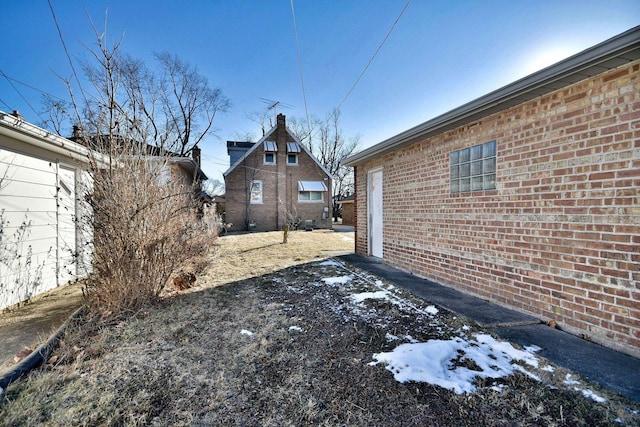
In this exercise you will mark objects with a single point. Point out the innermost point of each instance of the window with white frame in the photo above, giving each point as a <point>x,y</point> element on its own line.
<point>473,168</point>
<point>269,158</point>
<point>256,192</point>
<point>292,153</point>
<point>311,191</point>
<point>270,149</point>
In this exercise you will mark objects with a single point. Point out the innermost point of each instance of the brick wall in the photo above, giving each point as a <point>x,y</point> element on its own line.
<point>280,189</point>
<point>559,237</point>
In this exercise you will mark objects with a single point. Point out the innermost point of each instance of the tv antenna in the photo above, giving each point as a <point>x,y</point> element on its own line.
<point>273,105</point>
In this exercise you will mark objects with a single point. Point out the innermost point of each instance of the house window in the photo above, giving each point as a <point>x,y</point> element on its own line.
<point>256,192</point>
<point>269,158</point>
<point>311,191</point>
<point>270,149</point>
<point>292,153</point>
<point>473,169</point>
<point>310,196</point>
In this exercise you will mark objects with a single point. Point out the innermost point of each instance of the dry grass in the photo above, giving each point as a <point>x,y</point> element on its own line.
<point>186,361</point>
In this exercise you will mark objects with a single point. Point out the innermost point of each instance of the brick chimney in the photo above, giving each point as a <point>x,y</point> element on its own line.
<point>281,121</point>
<point>196,154</point>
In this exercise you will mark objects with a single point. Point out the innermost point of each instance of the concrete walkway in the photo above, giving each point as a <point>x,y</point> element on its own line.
<point>610,369</point>
<point>31,324</point>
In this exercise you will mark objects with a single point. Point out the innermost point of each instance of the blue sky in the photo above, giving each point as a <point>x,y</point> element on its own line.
<point>440,55</point>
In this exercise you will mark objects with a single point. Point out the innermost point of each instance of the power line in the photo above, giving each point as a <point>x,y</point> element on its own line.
<point>374,54</point>
<point>64,45</point>
<point>30,86</point>
<point>21,96</point>
<point>304,94</point>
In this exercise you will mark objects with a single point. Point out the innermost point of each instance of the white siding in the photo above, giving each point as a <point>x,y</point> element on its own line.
<point>38,232</point>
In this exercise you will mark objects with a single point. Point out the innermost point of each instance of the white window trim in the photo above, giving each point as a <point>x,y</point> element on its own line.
<point>274,158</point>
<point>255,202</point>
<point>296,157</point>
<point>310,200</point>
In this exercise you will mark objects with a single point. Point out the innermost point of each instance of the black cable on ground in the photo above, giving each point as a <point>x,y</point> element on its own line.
<point>37,357</point>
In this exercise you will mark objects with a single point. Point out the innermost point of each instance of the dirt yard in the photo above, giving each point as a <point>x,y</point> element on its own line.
<point>279,335</point>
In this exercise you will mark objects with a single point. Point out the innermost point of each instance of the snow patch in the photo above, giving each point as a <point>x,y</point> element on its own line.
<point>295,329</point>
<point>341,280</point>
<point>370,295</point>
<point>246,332</point>
<point>330,263</point>
<point>441,362</point>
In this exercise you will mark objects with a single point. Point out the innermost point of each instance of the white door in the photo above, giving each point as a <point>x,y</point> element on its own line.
<point>66,224</point>
<point>375,213</point>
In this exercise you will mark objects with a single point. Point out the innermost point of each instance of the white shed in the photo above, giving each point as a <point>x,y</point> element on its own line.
<point>43,237</point>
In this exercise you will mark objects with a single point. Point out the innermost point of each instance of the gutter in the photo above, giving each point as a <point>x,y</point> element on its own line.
<point>612,53</point>
<point>22,131</point>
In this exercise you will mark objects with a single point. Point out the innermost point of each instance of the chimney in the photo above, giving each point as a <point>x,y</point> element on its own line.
<point>281,121</point>
<point>196,154</point>
<point>237,149</point>
<point>77,131</point>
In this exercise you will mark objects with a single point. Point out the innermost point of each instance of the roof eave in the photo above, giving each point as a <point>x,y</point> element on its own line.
<point>607,55</point>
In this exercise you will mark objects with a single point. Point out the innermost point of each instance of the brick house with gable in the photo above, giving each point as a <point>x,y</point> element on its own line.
<point>275,181</point>
<point>528,196</point>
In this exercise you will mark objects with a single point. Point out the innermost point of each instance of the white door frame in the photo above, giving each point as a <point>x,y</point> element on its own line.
<point>374,213</point>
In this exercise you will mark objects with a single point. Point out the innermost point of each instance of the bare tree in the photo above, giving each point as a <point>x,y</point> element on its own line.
<point>144,218</point>
<point>189,105</point>
<point>330,147</point>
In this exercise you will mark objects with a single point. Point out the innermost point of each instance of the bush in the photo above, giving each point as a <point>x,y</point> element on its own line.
<point>146,223</point>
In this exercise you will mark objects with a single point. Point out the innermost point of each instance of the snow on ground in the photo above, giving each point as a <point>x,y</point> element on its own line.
<point>444,362</point>
<point>246,332</point>
<point>585,392</point>
<point>455,362</point>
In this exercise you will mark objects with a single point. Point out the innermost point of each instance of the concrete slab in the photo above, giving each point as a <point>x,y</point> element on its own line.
<point>611,369</point>
<point>482,312</point>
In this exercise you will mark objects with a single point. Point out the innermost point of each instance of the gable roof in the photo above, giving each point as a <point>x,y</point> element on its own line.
<point>610,54</point>
<point>264,138</point>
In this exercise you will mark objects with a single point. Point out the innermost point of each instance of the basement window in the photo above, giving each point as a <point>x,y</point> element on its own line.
<point>473,168</point>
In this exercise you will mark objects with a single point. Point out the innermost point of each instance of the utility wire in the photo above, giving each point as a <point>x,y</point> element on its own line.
<point>73,69</point>
<point>7,105</point>
<point>21,96</point>
<point>304,94</point>
<point>374,54</point>
<point>316,130</point>
<point>30,87</point>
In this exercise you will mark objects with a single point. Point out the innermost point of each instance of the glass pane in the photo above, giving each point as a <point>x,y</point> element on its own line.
<point>454,158</point>
<point>476,168</point>
<point>476,183</point>
<point>304,195</point>
<point>490,149</point>
<point>476,152</point>
<point>455,186</point>
<point>465,185</point>
<point>465,169</point>
<point>489,182</point>
<point>316,195</point>
<point>464,155</point>
<point>489,165</point>
<point>454,172</point>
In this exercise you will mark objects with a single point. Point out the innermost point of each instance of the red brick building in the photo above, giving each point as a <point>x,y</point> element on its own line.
<point>528,196</point>
<point>274,181</point>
